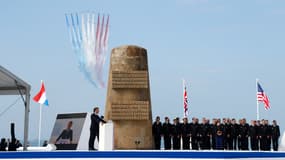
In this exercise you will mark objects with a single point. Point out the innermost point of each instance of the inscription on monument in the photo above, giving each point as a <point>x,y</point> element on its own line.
<point>132,110</point>
<point>130,79</point>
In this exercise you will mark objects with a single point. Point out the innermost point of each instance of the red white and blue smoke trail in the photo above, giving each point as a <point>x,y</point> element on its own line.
<point>88,34</point>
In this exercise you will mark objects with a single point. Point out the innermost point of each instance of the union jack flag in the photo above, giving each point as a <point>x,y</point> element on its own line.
<point>185,99</point>
<point>262,97</point>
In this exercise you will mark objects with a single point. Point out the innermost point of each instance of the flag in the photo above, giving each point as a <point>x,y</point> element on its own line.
<point>41,96</point>
<point>185,100</point>
<point>262,97</point>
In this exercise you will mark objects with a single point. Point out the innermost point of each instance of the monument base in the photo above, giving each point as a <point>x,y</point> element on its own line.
<point>133,135</point>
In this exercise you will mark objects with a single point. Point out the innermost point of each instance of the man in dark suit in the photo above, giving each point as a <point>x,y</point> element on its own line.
<point>262,135</point>
<point>194,133</point>
<point>235,133</point>
<point>94,128</point>
<point>166,128</point>
<point>185,132</point>
<point>253,134</point>
<point>176,134</point>
<point>157,132</point>
<point>243,134</point>
<point>268,133</point>
<point>275,135</point>
<point>258,125</point>
<point>205,133</point>
<point>228,134</point>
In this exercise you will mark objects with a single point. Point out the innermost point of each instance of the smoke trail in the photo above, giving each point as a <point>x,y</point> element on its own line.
<point>97,35</point>
<point>90,47</point>
<point>106,34</point>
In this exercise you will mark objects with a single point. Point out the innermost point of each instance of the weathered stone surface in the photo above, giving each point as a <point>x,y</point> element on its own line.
<point>128,102</point>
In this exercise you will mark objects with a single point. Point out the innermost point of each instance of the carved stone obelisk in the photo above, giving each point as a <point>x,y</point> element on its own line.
<point>128,102</point>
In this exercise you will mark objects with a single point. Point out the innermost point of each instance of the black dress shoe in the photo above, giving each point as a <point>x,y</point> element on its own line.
<point>91,149</point>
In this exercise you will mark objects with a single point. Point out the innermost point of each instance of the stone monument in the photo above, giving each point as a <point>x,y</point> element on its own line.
<point>128,102</point>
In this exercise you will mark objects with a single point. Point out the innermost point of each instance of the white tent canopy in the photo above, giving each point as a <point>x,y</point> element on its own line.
<point>10,84</point>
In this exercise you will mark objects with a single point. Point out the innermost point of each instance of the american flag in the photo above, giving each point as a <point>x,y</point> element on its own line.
<point>262,97</point>
<point>185,99</point>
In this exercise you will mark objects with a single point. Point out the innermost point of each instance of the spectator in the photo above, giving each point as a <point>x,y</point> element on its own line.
<point>45,143</point>
<point>3,145</point>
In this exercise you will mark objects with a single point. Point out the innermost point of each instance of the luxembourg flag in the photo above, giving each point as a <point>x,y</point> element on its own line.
<point>41,96</point>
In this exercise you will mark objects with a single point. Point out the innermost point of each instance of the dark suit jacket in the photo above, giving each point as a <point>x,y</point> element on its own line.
<point>95,121</point>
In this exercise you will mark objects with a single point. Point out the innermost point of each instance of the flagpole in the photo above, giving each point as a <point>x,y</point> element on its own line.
<point>40,121</point>
<point>40,125</point>
<point>257,104</point>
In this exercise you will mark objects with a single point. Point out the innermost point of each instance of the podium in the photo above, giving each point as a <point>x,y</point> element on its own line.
<point>106,134</point>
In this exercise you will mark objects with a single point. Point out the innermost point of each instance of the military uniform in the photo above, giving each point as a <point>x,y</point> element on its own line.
<point>253,134</point>
<point>176,136</point>
<point>235,135</point>
<point>268,133</point>
<point>205,132</point>
<point>228,134</point>
<point>262,135</point>
<point>213,130</point>
<point>275,136</point>
<point>194,132</point>
<point>156,132</point>
<point>243,136</point>
<point>185,132</point>
<point>259,131</point>
<point>166,127</point>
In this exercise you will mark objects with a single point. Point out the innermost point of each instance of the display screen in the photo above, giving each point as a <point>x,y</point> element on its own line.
<point>67,130</point>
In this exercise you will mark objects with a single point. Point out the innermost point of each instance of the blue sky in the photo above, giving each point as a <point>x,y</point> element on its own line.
<point>220,47</point>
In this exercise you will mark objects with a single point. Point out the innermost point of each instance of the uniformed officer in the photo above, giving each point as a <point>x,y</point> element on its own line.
<point>205,133</point>
<point>194,133</point>
<point>228,133</point>
<point>258,126</point>
<point>176,134</point>
<point>166,128</point>
<point>157,132</point>
<point>185,132</point>
<point>268,133</point>
<point>243,134</point>
<point>253,129</point>
<point>275,135</point>
<point>213,128</point>
<point>235,133</point>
